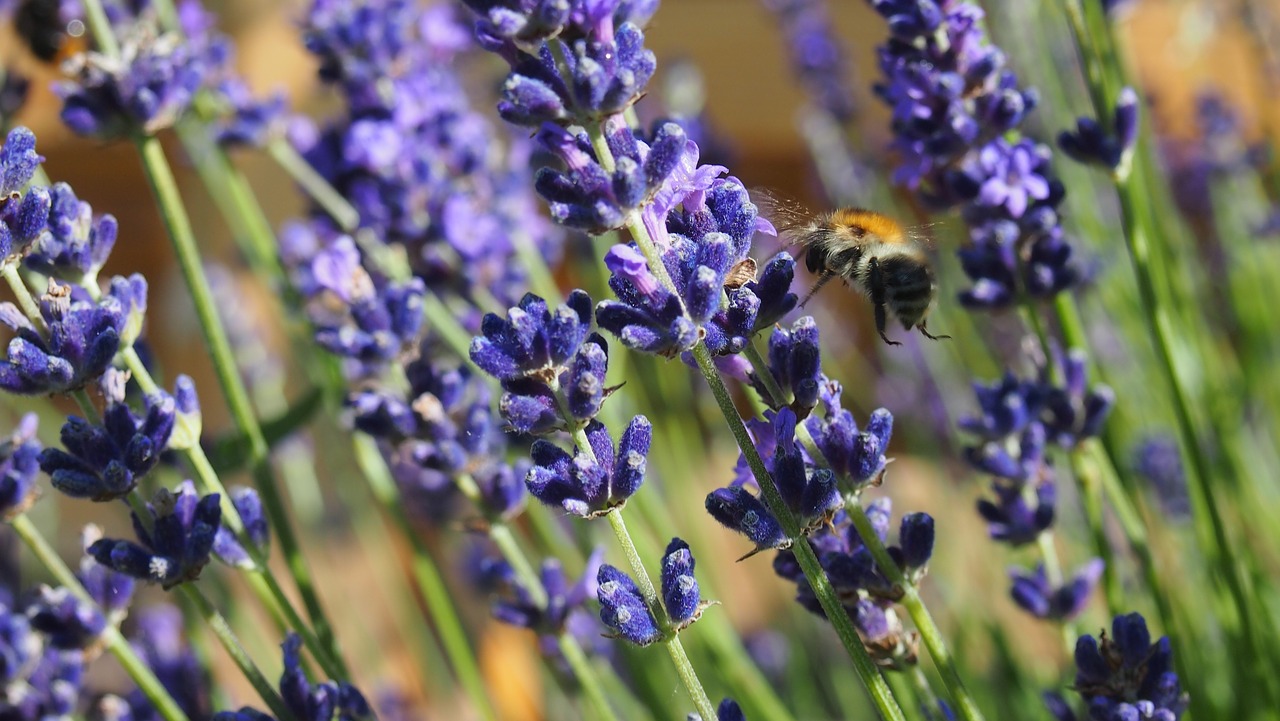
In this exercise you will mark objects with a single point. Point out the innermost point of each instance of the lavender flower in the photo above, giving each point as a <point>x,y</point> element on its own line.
<point>305,700</point>
<point>728,710</point>
<point>19,464</point>
<point>158,638</point>
<point>564,612</point>
<point>857,457</point>
<point>13,95</point>
<point>147,88</point>
<point>22,216</point>
<point>817,55</point>
<point>106,462</point>
<point>680,593</point>
<point>18,161</point>
<point>75,244</point>
<point>1109,148</point>
<point>1126,676</point>
<point>175,542</point>
<point>736,509</point>
<point>589,486</point>
<point>1159,462</point>
<point>227,547</point>
<point>796,364</point>
<point>1033,593</point>
<point>953,101</point>
<point>83,337</point>
<point>533,342</point>
<point>111,591</point>
<point>67,623</point>
<point>623,609</point>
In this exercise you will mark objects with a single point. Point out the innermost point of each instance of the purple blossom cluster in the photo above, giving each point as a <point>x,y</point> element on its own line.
<point>954,103</point>
<point>305,700</point>
<point>1124,676</point>
<point>49,635</point>
<point>865,592</point>
<point>624,609</point>
<point>427,175</point>
<point>818,57</point>
<point>1017,423</point>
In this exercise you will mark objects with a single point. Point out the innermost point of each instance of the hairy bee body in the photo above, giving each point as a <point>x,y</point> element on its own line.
<point>51,38</point>
<point>876,255</point>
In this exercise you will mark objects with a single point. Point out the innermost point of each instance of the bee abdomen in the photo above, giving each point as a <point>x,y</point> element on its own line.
<point>909,287</point>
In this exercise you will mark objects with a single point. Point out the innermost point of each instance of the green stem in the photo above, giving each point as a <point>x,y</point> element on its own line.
<point>165,189</point>
<point>315,185</point>
<point>222,630</point>
<point>30,308</point>
<point>866,669</point>
<point>684,668</point>
<point>920,615</point>
<point>435,595</point>
<point>116,644</point>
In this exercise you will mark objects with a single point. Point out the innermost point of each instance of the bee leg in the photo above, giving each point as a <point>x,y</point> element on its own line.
<point>875,284</point>
<point>929,335</point>
<point>822,280</point>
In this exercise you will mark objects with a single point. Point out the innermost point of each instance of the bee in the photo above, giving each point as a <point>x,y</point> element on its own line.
<point>49,36</point>
<point>869,250</point>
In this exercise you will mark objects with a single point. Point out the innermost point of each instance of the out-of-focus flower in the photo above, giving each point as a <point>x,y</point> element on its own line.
<point>227,547</point>
<point>1033,593</point>
<point>308,701</point>
<point>817,55</point>
<point>1126,676</point>
<point>728,710</point>
<point>1110,147</point>
<point>1159,461</point>
<point>19,464</point>
<point>158,638</point>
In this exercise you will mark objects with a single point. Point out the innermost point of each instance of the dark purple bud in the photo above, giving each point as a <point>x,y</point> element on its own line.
<point>915,536</point>
<point>680,593</point>
<point>623,609</point>
<point>227,546</point>
<point>633,451</point>
<point>738,510</point>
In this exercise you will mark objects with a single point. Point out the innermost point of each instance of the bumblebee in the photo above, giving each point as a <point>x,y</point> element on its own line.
<point>50,37</point>
<point>869,250</point>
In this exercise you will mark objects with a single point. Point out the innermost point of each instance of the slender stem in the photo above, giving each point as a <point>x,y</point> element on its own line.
<point>25,300</point>
<point>752,353</point>
<point>672,641</point>
<point>111,637</point>
<point>165,189</point>
<point>435,595</point>
<point>1088,477</point>
<point>222,630</point>
<point>920,616</point>
<point>314,184</point>
<point>585,674</point>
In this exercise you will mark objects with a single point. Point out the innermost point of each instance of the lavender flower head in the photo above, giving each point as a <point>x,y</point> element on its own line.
<point>145,89</point>
<point>1034,594</point>
<point>76,243</point>
<point>1125,676</point>
<point>953,102</point>
<point>19,466</point>
<point>175,542</point>
<point>22,216</point>
<point>308,701</point>
<point>564,610</point>
<point>83,337</point>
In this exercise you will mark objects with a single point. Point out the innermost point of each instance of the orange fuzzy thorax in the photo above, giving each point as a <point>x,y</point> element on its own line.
<point>885,228</point>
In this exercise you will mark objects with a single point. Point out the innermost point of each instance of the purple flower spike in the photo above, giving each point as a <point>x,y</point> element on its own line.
<point>183,528</point>
<point>1107,148</point>
<point>18,160</point>
<point>623,609</point>
<point>22,220</point>
<point>147,89</point>
<point>588,487</point>
<point>532,341</point>
<point>103,463</point>
<point>867,458</point>
<point>1120,674</point>
<point>728,710</point>
<point>83,338</point>
<point>1011,519</point>
<point>646,317</point>
<point>1159,462</point>
<point>377,324</point>
<point>736,509</point>
<point>112,591</point>
<point>19,464</point>
<point>227,547</point>
<point>75,244</point>
<point>68,624</point>
<point>774,291</point>
<point>1032,592</point>
<point>796,364</point>
<point>680,594</point>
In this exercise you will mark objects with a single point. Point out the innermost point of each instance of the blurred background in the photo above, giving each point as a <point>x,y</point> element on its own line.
<point>1179,48</point>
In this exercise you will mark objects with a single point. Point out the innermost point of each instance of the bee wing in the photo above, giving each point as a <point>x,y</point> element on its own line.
<point>787,214</point>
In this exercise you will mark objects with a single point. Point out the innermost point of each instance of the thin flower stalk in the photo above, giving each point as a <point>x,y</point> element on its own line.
<point>928,629</point>
<point>120,648</point>
<point>1096,51</point>
<point>178,224</point>
<point>427,576</point>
